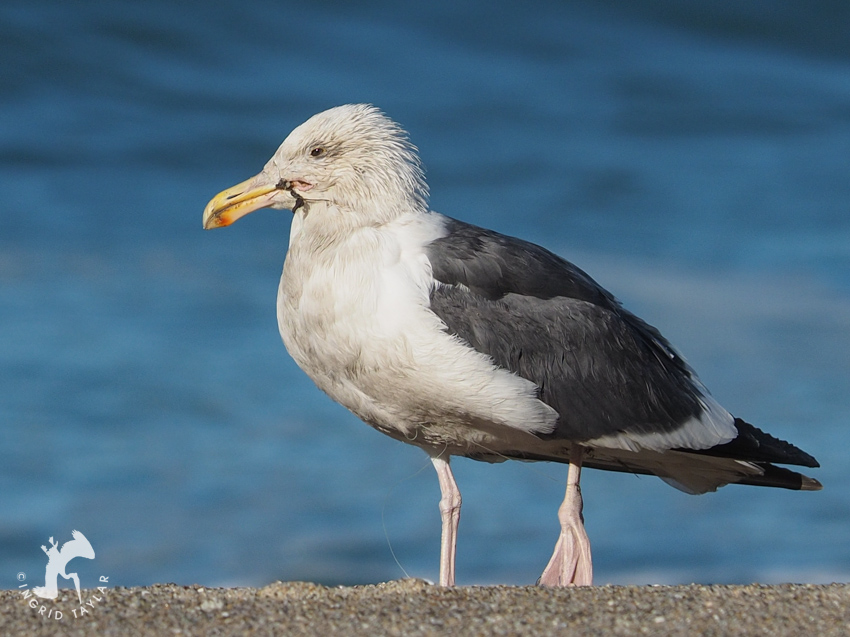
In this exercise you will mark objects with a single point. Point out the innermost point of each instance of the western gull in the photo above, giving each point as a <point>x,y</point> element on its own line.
<point>467,342</point>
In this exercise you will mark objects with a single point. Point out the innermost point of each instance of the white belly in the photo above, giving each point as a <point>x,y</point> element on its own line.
<point>355,318</point>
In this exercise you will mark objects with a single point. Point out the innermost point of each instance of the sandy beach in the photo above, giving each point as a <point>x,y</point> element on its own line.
<point>415,607</point>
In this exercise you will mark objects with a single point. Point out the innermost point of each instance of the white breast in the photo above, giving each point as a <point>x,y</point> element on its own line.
<point>353,313</point>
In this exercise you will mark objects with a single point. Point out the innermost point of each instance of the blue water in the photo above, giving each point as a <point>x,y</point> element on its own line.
<point>695,160</point>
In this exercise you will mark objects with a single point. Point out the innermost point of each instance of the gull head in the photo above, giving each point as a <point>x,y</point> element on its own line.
<point>351,160</point>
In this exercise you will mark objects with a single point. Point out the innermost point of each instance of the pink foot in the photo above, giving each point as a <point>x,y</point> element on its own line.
<point>570,564</point>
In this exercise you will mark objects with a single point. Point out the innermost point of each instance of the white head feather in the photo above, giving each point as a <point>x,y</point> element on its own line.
<point>353,158</point>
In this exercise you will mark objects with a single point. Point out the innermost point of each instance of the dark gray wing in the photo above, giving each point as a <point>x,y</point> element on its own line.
<point>600,367</point>
<point>493,265</point>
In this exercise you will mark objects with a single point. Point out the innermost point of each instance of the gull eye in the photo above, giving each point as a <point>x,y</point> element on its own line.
<point>318,151</point>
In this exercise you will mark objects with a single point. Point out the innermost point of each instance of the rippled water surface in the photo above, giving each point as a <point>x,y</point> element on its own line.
<point>695,162</point>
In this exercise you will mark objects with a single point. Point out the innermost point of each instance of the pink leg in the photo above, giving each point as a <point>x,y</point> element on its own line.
<point>570,564</point>
<point>450,514</point>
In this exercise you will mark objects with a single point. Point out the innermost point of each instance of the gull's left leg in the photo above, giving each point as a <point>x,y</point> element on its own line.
<point>450,515</point>
<point>570,564</point>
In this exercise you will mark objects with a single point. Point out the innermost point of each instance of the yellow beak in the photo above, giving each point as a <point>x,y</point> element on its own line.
<point>233,203</point>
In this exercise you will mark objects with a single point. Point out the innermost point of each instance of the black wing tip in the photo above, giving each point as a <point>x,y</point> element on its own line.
<point>754,445</point>
<point>782,478</point>
<point>782,451</point>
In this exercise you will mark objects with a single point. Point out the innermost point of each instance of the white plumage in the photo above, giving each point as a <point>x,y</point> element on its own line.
<point>365,335</point>
<point>466,342</point>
